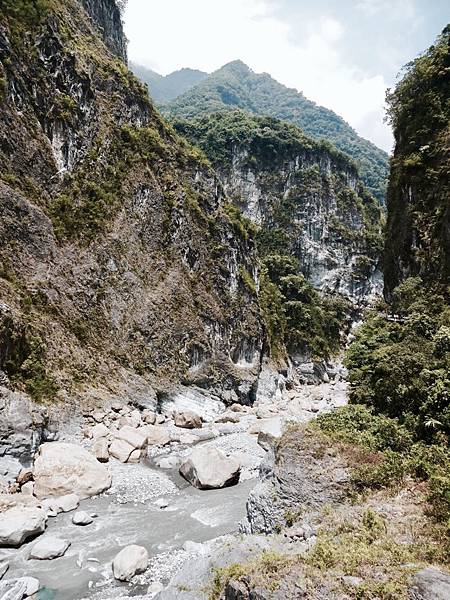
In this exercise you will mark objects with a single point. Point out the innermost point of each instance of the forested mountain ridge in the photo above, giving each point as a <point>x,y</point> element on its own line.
<point>237,86</point>
<point>165,88</point>
<point>316,227</point>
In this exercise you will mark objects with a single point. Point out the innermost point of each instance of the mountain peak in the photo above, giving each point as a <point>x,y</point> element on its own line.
<point>236,66</point>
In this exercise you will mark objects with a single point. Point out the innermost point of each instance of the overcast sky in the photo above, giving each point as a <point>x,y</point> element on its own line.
<point>342,54</point>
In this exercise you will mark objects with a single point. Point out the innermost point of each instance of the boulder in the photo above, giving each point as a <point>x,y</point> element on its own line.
<point>130,561</point>
<point>228,417</point>
<point>48,548</point>
<point>17,589</point>
<point>121,450</point>
<point>168,462</point>
<point>100,449</point>
<point>99,431</point>
<point>67,503</point>
<point>63,468</point>
<point>149,417</point>
<point>208,468</point>
<point>188,439</point>
<point>19,524</point>
<point>135,456</point>
<point>187,419</point>
<point>156,436</point>
<point>27,488</point>
<point>137,438</point>
<point>430,584</point>
<point>82,518</point>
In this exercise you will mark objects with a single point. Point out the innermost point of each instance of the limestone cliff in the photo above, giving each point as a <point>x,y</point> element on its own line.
<point>305,196</point>
<point>418,231</point>
<point>119,265</point>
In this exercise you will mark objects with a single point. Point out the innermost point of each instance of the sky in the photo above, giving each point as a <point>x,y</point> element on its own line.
<point>342,54</point>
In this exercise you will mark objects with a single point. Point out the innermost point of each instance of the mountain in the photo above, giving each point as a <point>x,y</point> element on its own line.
<point>120,268</point>
<point>237,86</point>
<point>165,88</point>
<point>315,224</point>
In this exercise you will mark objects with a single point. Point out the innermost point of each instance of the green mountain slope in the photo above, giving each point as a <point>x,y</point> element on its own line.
<point>236,86</point>
<point>165,88</point>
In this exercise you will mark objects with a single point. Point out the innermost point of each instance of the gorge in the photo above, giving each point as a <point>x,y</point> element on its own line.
<point>204,392</point>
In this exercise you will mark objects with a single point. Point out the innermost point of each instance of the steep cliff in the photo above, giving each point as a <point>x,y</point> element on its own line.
<point>236,86</point>
<point>418,233</point>
<point>311,213</point>
<point>119,264</point>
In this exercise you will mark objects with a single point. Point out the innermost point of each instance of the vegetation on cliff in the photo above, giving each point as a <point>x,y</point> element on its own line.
<point>418,229</point>
<point>236,86</point>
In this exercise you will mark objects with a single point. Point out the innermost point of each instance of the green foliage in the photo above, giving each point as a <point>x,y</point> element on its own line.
<point>418,216</point>
<point>391,452</point>
<point>296,315</point>
<point>26,12</point>
<point>22,357</point>
<point>401,367</point>
<point>236,87</point>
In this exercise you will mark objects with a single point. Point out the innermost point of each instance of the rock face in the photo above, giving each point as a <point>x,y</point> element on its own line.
<point>48,548</point>
<point>130,561</point>
<point>119,257</point>
<point>62,468</point>
<point>294,478</point>
<point>208,468</point>
<point>430,584</point>
<point>22,424</point>
<point>19,524</point>
<point>307,199</point>
<point>418,225</point>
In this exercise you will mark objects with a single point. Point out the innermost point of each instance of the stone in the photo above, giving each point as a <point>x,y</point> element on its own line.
<point>430,584</point>
<point>135,456</point>
<point>160,419</point>
<point>4,566</point>
<point>236,590</point>
<point>237,407</point>
<point>27,488</point>
<point>197,400</point>
<point>270,432</point>
<point>188,439</point>
<point>22,424</point>
<point>263,412</point>
<point>67,503</point>
<point>156,436</point>
<point>62,468</point>
<point>17,589</point>
<point>351,581</point>
<point>98,416</point>
<point>161,503</point>
<point>149,417</point>
<point>137,438</point>
<point>116,406</point>
<point>208,468</point>
<point>130,561</point>
<point>227,417</point>
<point>19,524</point>
<point>25,476</point>
<point>49,548</point>
<point>99,431</point>
<point>81,517</point>
<point>100,449</point>
<point>121,450</point>
<point>187,419</point>
<point>136,415</point>
<point>168,462</point>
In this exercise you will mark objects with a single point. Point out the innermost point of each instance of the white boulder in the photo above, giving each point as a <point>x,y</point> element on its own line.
<point>18,524</point>
<point>135,437</point>
<point>208,468</point>
<point>100,449</point>
<point>156,436</point>
<point>62,468</point>
<point>81,517</point>
<point>130,561</point>
<point>121,450</point>
<point>48,548</point>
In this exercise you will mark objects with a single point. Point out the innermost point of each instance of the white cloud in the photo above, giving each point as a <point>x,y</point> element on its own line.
<point>205,35</point>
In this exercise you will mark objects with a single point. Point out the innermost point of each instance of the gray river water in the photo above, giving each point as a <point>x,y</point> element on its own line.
<point>84,571</point>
